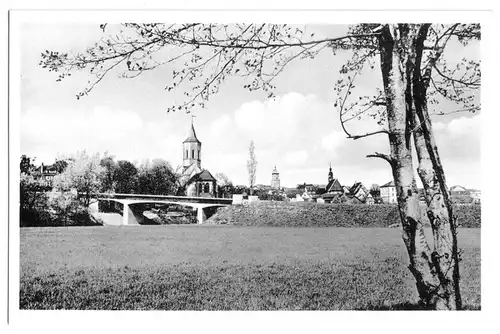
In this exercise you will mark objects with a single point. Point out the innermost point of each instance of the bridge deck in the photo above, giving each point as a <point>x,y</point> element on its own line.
<point>184,199</point>
<point>144,201</point>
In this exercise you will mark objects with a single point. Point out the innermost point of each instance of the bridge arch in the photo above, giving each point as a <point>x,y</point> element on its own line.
<point>129,216</point>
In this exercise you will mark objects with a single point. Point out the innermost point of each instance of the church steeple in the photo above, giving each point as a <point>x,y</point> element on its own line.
<point>192,135</point>
<point>191,148</point>
<point>330,173</point>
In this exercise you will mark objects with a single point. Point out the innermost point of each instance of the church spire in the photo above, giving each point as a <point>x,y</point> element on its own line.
<point>191,149</point>
<point>330,173</point>
<point>192,134</point>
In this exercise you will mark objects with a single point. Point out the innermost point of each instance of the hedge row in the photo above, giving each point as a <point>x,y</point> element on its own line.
<point>307,214</point>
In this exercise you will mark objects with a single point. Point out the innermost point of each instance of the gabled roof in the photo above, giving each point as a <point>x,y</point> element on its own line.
<point>191,170</point>
<point>203,176</point>
<point>356,187</point>
<point>333,185</point>
<point>303,186</point>
<point>458,188</point>
<point>192,136</point>
<point>388,184</point>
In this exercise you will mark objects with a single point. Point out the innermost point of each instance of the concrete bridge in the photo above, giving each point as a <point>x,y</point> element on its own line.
<point>125,205</point>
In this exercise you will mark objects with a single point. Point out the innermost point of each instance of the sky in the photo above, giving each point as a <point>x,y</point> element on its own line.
<point>299,131</point>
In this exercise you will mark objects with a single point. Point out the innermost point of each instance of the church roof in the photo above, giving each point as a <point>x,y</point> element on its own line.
<point>192,136</point>
<point>275,171</point>
<point>202,176</point>
<point>333,185</point>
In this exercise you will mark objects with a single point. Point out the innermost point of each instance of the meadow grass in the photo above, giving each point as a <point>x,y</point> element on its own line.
<point>225,268</point>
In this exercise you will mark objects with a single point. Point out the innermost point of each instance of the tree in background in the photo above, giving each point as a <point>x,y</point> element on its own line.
<point>74,187</point>
<point>27,164</point>
<point>224,184</point>
<point>83,175</point>
<point>413,75</point>
<point>251,166</point>
<point>156,178</point>
<point>125,177</point>
<point>32,195</point>
<point>222,179</point>
<point>60,165</point>
<point>108,183</point>
<point>375,190</point>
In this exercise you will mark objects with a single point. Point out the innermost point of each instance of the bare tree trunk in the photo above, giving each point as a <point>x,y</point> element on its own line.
<point>439,206</point>
<point>444,233</point>
<point>398,116</point>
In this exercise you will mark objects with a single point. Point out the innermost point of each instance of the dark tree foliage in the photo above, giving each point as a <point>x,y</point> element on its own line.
<point>157,179</point>
<point>125,177</point>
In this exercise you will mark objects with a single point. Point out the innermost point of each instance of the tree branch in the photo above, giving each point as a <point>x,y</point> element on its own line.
<point>385,157</point>
<point>368,134</point>
<point>469,84</point>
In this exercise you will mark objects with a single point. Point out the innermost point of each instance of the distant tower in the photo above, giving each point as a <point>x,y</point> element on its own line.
<point>191,148</point>
<point>275,179</point>
<point>330,173</point>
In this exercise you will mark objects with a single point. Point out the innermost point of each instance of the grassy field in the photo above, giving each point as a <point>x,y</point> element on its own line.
<point>225,268</point>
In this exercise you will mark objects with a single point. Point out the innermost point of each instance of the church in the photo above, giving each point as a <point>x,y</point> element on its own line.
<point>197,182</point>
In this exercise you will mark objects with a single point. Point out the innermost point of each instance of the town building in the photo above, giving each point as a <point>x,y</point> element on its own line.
<point>462,195</point>
<point>197,182</point>
<point>275,179</point>
<point>388,193</point>
<point>369,199</point>
<point>359,191</point>
<point>45,174</point>
<point>307,187</point>
<point>333,189</point>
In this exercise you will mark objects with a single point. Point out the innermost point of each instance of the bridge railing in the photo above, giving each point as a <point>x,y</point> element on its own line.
<point>164,197</point>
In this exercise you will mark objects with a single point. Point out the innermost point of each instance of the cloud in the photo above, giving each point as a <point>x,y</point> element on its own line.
<point>459,140</point>
<point>333,140</point>
<point>276,121</point>
<point>465,126</point>
<point>296,157</point>
<point>123,133</point>
<point>221,125</point>
<point>438,126</point>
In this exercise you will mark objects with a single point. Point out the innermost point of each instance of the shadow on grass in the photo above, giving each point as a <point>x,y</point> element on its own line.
<point>407,306</point>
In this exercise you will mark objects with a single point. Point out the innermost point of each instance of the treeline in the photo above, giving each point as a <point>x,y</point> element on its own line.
<point>64,199</point>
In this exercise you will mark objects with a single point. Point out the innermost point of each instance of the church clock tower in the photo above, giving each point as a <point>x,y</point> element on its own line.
<point>191,148</point>
<point>275,179</point>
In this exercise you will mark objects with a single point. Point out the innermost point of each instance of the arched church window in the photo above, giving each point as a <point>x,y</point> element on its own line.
<point>187,156</point>
<point>207,188</point>
<point>192,154</point>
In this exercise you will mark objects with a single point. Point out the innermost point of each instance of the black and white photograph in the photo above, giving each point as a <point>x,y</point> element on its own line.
<point>264,161</point>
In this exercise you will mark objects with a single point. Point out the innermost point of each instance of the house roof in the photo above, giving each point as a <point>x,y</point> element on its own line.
<point>192,136</point>
<point>46,170</point>
<point>202,176</point>
<point>334,185</point>
<point>356,187</point>
<point>458,188</point>
<point>388,184</point>
<point>302,186</point>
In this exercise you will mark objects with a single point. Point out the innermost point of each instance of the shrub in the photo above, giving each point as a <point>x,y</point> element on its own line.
<point>302,214</point>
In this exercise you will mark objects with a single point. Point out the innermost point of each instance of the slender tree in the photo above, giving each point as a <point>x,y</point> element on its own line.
<point>413,72</point>
<point>251,166</point>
